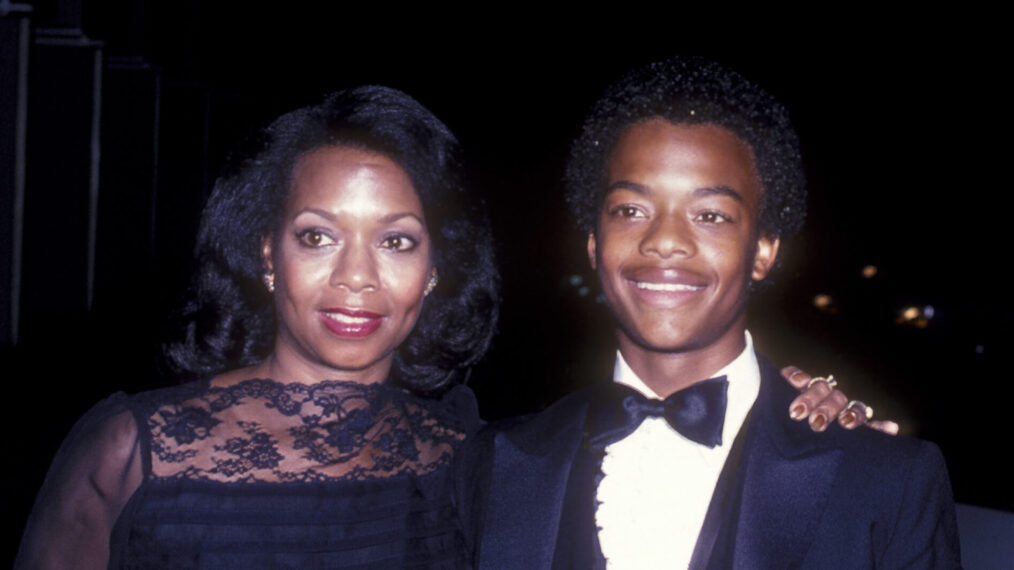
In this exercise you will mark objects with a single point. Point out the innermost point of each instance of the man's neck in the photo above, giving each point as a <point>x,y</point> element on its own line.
<point>669,372</point>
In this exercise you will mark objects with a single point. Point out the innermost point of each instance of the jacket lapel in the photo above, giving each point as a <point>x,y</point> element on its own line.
<point>527,486</point>
<point>783,482</point>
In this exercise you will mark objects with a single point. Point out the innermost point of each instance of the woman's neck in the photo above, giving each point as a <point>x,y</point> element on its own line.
<point>285,367</point>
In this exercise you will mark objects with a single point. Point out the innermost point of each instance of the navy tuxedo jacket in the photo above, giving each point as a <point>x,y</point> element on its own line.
<point>797,499</point>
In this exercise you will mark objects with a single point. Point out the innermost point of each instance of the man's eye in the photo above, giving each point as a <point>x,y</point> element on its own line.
<point>712,218</point>
<point>398,243</point>
<point>314,238</point>
<point>627,212</point>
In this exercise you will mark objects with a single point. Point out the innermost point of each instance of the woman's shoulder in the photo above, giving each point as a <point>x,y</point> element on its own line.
<point>166,395</point>
<point>108,430</point>
<point>113,427</point>
<point>455,407</point>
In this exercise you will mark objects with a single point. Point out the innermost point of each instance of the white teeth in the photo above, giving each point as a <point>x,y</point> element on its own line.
<point>343,318</point>
<point>668,287</point>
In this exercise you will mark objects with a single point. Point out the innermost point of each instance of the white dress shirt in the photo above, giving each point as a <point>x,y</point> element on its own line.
<point>657,484</point>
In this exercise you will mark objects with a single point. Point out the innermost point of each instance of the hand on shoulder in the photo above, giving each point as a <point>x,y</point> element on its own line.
<point>821,400</point>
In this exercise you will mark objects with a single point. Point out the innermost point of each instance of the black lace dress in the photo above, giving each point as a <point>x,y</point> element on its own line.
<point>255,475</point>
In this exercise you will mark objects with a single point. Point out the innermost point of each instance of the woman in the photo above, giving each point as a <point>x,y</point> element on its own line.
<point>350,276</point>
<point>342,265</point>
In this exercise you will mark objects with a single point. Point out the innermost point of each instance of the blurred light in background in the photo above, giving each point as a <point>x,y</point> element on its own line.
<point>915,316</point>
<point>824,302</point>
<point>576,282</point>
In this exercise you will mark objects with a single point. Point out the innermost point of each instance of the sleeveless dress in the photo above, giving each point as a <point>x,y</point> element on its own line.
<point>256,475</point>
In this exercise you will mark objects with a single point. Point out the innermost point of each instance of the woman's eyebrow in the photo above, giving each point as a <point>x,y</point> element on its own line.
<point>320,212</point>
<point>399,215</point>
<point>386,219</point>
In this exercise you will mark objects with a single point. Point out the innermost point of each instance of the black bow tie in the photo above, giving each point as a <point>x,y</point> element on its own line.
<point>696,412</point>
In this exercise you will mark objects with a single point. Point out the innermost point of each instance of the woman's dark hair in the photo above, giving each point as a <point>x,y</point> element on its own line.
<point>689,90</point>
<point>229,319</point>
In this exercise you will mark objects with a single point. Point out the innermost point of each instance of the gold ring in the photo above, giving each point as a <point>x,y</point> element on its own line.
<point>867,410</point>
<point>831,382</point>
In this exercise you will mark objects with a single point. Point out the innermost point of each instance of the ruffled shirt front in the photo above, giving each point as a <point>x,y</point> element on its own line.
<point>656,484</point>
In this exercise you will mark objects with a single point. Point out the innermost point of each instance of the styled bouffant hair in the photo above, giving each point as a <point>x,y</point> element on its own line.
<point>229,319</point>
<point>689,90</point>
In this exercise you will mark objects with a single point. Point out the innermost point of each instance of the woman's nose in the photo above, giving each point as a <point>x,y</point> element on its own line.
<point>355,268</point>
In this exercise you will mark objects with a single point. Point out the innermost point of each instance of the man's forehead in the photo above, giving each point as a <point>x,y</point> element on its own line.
<point>709,159</point>
<point>676,137</point>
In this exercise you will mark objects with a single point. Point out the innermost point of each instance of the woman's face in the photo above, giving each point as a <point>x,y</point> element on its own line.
<point>351,261</point>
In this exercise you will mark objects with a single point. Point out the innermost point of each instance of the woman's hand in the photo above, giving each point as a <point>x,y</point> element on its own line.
<point>821,401</point>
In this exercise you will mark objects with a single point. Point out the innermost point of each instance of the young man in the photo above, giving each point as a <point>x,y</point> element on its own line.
<point>686,178</point>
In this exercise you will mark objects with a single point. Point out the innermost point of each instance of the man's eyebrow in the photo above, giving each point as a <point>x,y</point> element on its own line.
<point>627,185</point>
<point>719,191</point>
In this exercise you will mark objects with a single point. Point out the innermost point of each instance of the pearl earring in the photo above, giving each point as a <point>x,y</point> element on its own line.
<point>432,283</point>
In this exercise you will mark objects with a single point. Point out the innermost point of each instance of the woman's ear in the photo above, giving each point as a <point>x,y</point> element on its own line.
<point>592,250</point>
<point>266,248</point>
<point>764,259</point>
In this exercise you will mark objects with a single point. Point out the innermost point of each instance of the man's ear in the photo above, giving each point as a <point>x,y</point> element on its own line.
<point>266,247</point>
<point>764,259</point>
<point>592,250</point>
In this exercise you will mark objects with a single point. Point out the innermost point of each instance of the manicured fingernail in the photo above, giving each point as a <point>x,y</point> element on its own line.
<point>818,422</point>
<point>797,412</point>
<point>847,419</point>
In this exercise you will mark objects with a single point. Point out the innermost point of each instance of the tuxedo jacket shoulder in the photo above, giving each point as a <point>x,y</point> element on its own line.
<point>838,499</point>
<point>510,478</point>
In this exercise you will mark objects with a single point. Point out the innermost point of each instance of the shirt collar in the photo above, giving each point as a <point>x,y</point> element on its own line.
<point>743,374</point>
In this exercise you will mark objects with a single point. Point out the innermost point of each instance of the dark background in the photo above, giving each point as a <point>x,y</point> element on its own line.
<point>903,139</point>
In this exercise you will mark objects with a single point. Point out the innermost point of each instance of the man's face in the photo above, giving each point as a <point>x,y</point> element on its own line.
<point>678,240</point>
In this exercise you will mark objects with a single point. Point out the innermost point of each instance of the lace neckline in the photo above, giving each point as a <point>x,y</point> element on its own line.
<point>261,430</point>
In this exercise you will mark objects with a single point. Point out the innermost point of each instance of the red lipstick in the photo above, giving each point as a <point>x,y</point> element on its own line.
<point>351,323</point>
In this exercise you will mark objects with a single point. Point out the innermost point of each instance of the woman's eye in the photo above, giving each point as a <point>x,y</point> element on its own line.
<point>314,238</point>
<point>398,243</point>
